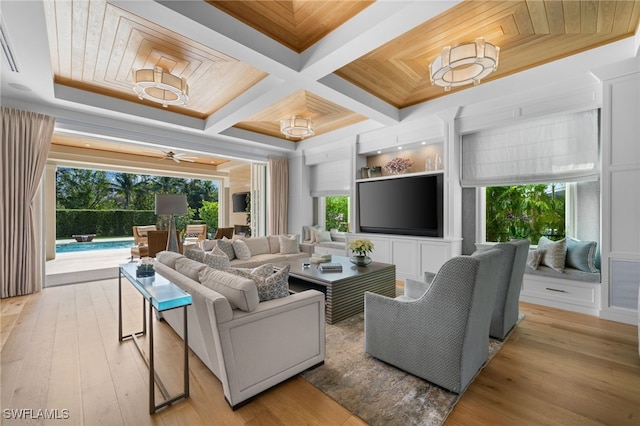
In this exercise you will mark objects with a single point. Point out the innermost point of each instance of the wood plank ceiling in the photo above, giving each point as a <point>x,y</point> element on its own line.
<point>95,45</point>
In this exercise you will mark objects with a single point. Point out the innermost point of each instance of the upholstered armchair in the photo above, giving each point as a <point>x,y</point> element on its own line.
<point>141,241</point>
<point>443,336</point>
<point>158,242</point>
<point>223,233</point>
<point>195,233</point>
<point>505,311</point>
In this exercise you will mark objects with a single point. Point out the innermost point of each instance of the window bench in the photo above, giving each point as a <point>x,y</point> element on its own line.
<point>572,289</point>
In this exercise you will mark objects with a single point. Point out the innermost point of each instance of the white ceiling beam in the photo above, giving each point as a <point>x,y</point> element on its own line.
<point>376,25</point>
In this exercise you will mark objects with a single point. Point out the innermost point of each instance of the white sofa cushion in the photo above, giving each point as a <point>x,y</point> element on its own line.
<point>241,292</point>
<point>190,268</point>
<point>274,244</point>
<point>168,258</point>
<point>257,245</point>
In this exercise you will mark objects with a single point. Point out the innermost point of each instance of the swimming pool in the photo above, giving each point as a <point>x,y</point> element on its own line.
<point>93,245</point>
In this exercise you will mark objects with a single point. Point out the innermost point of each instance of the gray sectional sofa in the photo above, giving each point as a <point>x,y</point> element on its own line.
<point>249,345</point>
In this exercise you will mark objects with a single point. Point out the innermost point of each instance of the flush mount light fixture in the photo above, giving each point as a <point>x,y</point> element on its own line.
<point>464,64</point>
<point>297,127</point>
<point>160,86</point>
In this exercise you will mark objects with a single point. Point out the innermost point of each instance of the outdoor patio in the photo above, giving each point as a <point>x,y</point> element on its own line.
<point>83,266</point>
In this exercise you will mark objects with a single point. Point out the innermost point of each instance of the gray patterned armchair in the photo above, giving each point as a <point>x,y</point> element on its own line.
<point>443,336</point>
<point>505,310</point>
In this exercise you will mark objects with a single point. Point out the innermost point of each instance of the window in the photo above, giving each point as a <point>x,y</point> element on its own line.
<point>526,211</point>
<point>335,210</point>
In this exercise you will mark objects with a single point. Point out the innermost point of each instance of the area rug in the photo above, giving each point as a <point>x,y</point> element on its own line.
<point>378,393</point>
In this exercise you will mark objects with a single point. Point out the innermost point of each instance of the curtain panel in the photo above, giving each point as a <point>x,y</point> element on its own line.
<point>551,149</point>
<point>279,195</point>
<point>26,138</point>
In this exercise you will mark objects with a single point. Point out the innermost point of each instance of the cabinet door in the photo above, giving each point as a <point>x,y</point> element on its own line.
<point>432,257</point>
<point>404,255</point>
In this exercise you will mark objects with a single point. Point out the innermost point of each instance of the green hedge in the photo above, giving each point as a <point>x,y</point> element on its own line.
<point>103,223</point>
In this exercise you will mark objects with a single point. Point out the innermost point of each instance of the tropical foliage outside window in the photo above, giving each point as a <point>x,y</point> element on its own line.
<point>101,191</point>
<point>337,212</point>
<point>525,211</point>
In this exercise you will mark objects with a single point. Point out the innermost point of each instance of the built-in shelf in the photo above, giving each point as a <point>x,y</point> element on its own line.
<point>400,176</point>
<point>424,159</point>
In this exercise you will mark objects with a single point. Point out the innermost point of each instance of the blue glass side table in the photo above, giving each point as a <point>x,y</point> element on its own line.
<point>161,295</point>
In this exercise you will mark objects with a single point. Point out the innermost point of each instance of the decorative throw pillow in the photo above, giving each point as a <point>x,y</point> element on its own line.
<point>289,245</point>
<point>581,255</point>
<point>270,285</point>
<point>323,236</point>
<point>275,286</point>
<point>306,233</point>
<point>226,246</point>
<point>208,245</point>
<point>217,251</point>
<point>263,271</point>
<point>312,233</point>
<point>554,253</point>
<point>241,250</point>
<point>217,261</point>
<point>534,259</point>
<point>195,254</point>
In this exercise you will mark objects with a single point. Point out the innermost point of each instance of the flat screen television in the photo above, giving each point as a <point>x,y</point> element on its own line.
<point>407,206</point>
<point>239,200</point>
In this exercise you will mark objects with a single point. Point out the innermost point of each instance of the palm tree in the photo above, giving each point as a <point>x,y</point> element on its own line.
<point>124,185</point>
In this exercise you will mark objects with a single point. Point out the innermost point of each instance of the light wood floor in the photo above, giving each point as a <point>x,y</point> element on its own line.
<point>60,351</point>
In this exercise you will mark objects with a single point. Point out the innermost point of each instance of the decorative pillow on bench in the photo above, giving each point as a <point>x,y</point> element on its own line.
<point>566,253</point>
<point>554,253</point>
<point>581,255</point>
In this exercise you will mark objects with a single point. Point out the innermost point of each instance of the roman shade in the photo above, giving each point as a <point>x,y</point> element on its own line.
<point>331,178</point>
<point>561,148</point>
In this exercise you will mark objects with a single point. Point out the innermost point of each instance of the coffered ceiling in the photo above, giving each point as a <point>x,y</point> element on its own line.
<point>249,64</point>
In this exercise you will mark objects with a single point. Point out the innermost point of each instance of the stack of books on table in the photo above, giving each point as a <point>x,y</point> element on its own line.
<point>330,267</point>
<point>320,258</point>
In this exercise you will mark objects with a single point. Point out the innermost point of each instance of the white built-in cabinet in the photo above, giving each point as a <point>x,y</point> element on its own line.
<point>424,142</point>
<point>413,256</point>
<point>621,192</point>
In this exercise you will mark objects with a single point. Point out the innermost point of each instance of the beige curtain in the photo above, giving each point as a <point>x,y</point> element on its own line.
<point>26,138</point>
<point>278,195</point>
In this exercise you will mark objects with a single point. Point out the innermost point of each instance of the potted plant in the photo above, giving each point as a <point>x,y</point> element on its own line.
<point>361,247</point>
<point>145,268</point>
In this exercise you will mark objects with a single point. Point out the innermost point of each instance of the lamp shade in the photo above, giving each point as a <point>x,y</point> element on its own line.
<point>171,204</point>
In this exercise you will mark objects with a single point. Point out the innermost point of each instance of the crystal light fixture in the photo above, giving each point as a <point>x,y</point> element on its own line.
<point>160,86</point>
<point>297,127</point>
<point>464,64</point>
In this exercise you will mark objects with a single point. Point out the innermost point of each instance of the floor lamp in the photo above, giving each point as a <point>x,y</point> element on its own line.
<point>171,204</point>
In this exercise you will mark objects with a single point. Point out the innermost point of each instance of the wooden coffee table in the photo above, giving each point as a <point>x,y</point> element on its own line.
<point>344,290</point>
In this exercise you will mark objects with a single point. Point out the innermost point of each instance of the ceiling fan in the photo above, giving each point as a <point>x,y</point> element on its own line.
<point>177,157</point>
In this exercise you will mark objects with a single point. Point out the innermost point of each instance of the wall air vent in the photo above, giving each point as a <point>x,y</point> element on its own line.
<point>7,51</point>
